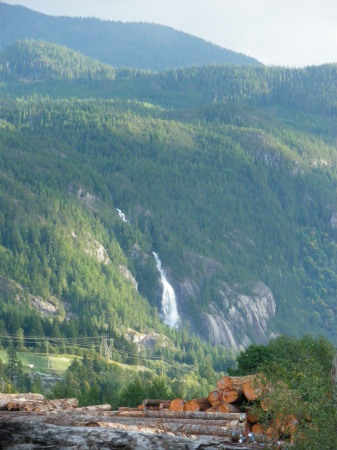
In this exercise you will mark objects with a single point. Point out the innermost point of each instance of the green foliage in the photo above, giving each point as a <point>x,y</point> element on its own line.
<point>39,60</point>
<point>285,348</point>
<point>139,45</point>
<point>296,388</point>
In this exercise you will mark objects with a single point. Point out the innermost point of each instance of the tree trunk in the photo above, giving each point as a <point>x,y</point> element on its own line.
<point>334,370</point>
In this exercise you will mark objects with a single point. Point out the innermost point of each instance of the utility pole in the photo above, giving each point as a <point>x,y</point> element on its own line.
<point>47,352</point>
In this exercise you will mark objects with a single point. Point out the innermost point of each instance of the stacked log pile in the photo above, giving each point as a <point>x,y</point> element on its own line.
<point>244,395</point>
<point>216,420</point>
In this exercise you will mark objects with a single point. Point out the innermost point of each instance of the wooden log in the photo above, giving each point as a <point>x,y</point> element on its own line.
<point>177,404</point>
<point>233,396</point>
<point>155,402</point>
<point>151,408</point>
<point>5,398</point>
<point>178,427</point>
<point>222,408</point>
<point>257,428</point>
<point>164,405</point>
<point>230,382</point>
<point>126,408</point>
<point>214,397</point>
<point>225,383</point>
<point>270,432</point>
<point>36,436</point>
<point>203,403</point>
<point>252,417</point>
<point>87,416</point>
<point>232,408</point>
<point>252,390</point>
<point>105,407</point>
<point>194,415</point>
<point>192,405</point>
<point>45,405</point>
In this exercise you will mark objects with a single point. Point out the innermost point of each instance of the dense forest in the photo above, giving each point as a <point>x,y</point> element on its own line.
<point>231,165</point>
<point>136,45</point>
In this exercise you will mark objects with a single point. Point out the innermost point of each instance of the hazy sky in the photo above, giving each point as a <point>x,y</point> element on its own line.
<point>276,32</point>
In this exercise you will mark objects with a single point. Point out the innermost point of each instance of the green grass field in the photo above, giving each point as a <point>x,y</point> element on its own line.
<point>41,362</point>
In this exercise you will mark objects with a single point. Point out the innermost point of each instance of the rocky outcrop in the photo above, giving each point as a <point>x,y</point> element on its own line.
<point>128,275</point>
<point>94,248</point>
<point>239,315</point>
<point>237,320</point>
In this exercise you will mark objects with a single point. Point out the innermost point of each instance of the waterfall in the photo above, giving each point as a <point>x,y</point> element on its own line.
<point>122,215</point>
<point>169,312</point>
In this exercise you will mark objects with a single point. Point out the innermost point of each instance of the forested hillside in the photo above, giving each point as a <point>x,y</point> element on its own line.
<point>228,173</point>
<point>136,45</point>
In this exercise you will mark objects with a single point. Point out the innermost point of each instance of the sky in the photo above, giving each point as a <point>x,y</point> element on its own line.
<point>292,33</point>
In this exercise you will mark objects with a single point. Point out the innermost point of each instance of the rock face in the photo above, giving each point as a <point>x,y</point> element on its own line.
<point>237,320</point>
<point>128,275</point>
<point>94,248</point>
<point>237,317</point>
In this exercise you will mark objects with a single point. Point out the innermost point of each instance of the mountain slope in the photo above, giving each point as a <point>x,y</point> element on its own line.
<point>138,45</point>
<point>225,203</point>
<point>234,189</point>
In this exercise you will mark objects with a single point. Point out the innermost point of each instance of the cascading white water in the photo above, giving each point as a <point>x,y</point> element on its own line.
<point>122,215</point>
<point>169,311</point>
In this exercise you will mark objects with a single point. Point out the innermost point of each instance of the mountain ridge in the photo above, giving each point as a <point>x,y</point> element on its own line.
<point>137,45</point>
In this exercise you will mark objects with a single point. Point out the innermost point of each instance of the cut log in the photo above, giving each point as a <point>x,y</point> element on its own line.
<point>252,417</point>
<point>230,382</point>
<point>36,436</point>
<point>214,397</point>
<point>151,408</point>
<point>105,407</point>
<point>177,404</point>
<point>233,396</point>
<point>257,428</point>
<point>270,432</point>
<point>45,405</point>
<point>164,405</point>
<point>252,390</point>
<point>155,402</point>
<point>5,398</point>
<point>126,408</point>
<point>203,403</point>
<point>232,408</point>
<point>193,415</point>
<point>225,383</point>
<point>222,408</point>
<point>178,427</point>
<point>192,405</point>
